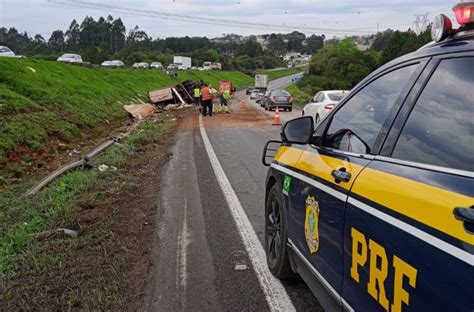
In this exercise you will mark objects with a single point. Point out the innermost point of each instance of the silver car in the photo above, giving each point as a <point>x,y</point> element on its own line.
<point>70,58</point>
<point>156,65</point>
<point>6,52</point>
<point>279,98</point>
<point>142,65</point>
<point>114,63</point>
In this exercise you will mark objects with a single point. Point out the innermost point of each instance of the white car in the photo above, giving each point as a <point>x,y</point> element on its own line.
<point>322,103</point>
<point>114,63</point>
<point>257,94</point>
<point>70,58</point>
<point>173,66</point>
<point>142,65</point>
<point>156,65</point>
<point>6,52</point>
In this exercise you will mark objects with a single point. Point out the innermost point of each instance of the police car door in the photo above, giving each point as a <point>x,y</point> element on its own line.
<point>331,165</point>
<point>409,222</point>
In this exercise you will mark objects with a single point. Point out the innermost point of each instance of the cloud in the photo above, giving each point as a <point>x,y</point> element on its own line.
<point>41,16</point>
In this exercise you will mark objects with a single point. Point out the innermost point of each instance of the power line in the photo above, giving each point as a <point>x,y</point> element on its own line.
<point>421,23</point>
<point>203,19</point>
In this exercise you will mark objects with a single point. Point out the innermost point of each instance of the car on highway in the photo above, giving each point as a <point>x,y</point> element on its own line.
<point>156,65</point>
<point>141,65</point>
<point>296,79</point>
<point>6,52</point>
<point>173,67</point>
<point>70,58</point>
<point>374,208</point>
<point>256,94</point>
<point>264,99</point>
<point>113,64</point>
<point>322,103</point>
<point>279,98</point>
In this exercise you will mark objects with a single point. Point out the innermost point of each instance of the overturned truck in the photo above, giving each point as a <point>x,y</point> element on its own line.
<point>178,94</point>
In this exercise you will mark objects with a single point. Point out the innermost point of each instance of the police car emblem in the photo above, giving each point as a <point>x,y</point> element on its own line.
<point>311,224</point>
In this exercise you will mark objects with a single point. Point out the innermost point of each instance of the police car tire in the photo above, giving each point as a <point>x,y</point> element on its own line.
<point>280,267</point>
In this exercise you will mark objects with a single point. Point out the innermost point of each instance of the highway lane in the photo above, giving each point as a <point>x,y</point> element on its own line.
<point>201,261</point>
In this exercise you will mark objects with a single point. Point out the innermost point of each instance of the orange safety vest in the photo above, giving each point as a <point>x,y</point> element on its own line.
<point>206,94</point>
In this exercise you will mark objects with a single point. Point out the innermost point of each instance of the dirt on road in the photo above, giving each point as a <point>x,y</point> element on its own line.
<point>242,115</point>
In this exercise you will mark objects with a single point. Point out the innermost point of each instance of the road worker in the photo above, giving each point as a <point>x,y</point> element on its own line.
<point>206,100</point>
<point>215,95</point>
<point>197,95</point>
<point>225,98</point>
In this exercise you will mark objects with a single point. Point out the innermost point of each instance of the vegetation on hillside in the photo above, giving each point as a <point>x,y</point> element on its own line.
<point>341,65</point>
<point>46,104</point>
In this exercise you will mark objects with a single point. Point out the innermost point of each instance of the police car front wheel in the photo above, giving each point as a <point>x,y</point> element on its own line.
<point>276,236</point>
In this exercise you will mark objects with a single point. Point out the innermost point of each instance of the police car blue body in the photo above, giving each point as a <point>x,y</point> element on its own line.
<point>374,209</point>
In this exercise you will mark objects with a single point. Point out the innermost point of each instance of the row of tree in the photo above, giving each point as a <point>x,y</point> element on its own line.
<point>107,38</point>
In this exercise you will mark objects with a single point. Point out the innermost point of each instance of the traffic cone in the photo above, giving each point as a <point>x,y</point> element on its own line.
<point>276,119</point>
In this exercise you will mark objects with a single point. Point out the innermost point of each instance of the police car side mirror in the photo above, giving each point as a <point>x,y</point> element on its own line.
<point>298,131</point>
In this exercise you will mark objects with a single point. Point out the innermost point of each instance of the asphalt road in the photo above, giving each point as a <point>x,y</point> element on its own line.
<point>205,259</point>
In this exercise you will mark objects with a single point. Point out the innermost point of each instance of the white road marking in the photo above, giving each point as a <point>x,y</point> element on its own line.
<point>276,295</point>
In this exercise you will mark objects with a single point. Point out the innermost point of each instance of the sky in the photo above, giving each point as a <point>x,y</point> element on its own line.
<point>333,18</point>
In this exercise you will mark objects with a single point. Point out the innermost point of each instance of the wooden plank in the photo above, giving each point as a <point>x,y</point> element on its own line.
<point>179,96</point>
<point>162,95</point>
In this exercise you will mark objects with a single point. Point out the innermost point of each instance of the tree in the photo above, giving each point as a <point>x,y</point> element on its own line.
<point>118,35</point>
<point>381,40</point>
<point>314,43</point>
<point>57,41</point>
<point>295,41</point>
<point>137,35</point>
<point>72,34</point>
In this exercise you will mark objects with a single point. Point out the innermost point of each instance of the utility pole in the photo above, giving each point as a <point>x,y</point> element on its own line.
<point>421,23</point>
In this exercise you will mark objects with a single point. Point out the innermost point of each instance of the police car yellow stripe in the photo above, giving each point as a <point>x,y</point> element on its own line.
<point>428,238</point>
<point>425,203</point>
<point>322,166</point>
<point>288,155</point>
<point>399,194</point>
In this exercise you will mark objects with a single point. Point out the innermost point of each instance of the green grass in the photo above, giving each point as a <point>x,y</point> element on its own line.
<point>299,95</point>
<point>41,101</point>
<point>279,73</point>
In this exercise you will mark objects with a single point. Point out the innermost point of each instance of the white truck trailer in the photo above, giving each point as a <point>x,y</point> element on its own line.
<point>261,82</point>
<point>183,62</point>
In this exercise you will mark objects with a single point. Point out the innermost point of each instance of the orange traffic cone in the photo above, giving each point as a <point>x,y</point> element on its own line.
<point>276,119</point>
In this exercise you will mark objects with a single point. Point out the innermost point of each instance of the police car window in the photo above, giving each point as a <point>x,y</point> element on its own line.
<point>440,129</point>
<point>356,125</point>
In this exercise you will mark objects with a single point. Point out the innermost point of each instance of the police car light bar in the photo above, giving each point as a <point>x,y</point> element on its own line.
<point>442,27</point>
<point>464,12</point>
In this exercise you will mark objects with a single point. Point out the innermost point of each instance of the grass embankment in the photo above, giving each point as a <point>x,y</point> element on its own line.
<point>279,73</point>
<point>45,105</point>
<point>89,272</point>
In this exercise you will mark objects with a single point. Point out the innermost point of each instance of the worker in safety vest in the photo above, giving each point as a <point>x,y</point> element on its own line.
<point>206,97</point>
<point>197,95</point>
<point>225,98</point>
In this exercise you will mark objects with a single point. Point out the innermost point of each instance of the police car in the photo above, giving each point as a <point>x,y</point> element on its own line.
<point>374,207</point>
